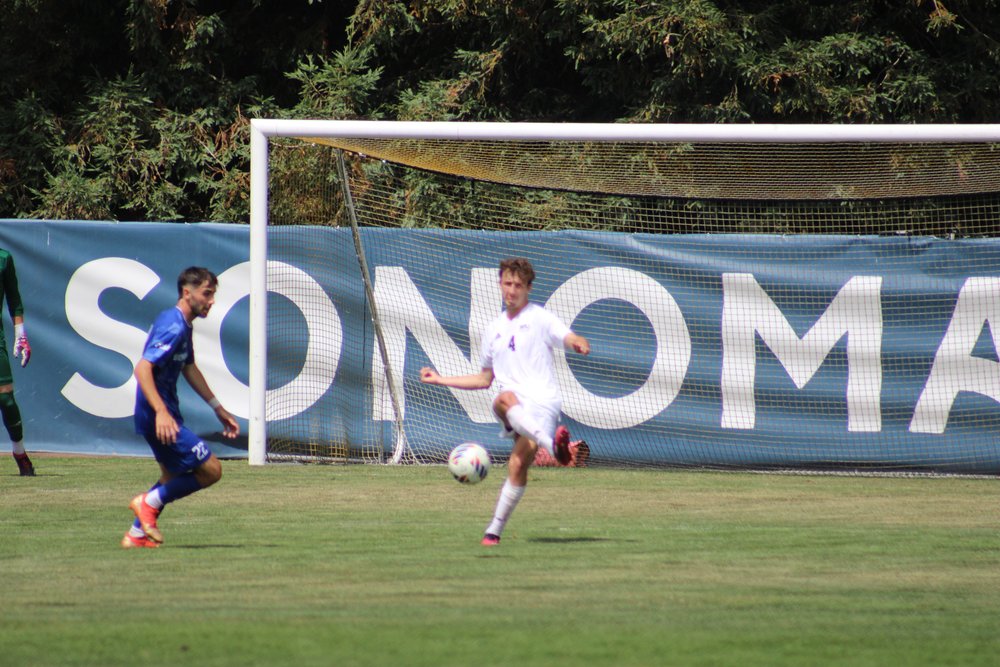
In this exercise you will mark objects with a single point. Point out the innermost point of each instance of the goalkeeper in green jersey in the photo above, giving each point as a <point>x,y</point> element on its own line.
<point>8,406</point>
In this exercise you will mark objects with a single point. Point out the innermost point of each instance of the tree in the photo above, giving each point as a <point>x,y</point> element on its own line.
<point>686,60</point>
<point>138,109</point>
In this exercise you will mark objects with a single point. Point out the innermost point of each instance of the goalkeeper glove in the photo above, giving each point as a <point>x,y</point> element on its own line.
<point>21,347</point>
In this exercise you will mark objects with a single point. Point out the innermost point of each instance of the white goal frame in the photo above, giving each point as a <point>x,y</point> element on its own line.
<point>262,130</point>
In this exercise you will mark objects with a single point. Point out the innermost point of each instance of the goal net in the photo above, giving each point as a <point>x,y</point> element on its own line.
<point>790,297</point>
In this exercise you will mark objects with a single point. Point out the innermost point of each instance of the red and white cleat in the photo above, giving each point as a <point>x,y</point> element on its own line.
<point>130,541</point>
<point>147,517</point>
<point>560,443</point>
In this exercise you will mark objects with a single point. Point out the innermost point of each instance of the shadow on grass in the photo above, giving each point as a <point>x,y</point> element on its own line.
<point>571,540</point>
<point>223,546</point>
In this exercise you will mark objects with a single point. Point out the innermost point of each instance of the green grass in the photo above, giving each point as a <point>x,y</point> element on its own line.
<point>366,565</point>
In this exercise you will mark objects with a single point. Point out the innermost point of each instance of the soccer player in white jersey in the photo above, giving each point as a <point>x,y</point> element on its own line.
<point>517,353</point>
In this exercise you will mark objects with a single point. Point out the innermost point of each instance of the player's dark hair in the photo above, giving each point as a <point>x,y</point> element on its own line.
<point>520,267</point>
<point>193,276</point>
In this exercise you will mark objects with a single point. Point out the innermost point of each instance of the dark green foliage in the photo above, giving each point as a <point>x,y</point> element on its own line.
<point>137,109</point>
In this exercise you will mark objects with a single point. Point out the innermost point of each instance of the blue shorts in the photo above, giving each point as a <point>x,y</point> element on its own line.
<point>182,456</point>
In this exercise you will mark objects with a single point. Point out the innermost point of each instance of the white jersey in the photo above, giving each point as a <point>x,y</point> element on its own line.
<point>519,351</point>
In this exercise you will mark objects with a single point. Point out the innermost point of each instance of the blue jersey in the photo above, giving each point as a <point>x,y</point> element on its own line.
<point>168,347</point>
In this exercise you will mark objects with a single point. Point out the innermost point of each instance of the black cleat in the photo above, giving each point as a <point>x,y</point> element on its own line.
<point>24,465</point>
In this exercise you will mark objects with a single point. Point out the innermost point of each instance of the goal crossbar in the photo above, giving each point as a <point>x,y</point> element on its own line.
<point>605,132</point>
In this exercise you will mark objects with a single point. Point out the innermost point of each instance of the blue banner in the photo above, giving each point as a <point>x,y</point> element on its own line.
<point>730,349</point>
<point>91,291</point>
<point>707,350</point>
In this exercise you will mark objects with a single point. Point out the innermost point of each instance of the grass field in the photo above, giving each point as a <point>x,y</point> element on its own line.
<point>366,565</point>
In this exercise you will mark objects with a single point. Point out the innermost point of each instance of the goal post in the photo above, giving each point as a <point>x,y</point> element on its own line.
<point>766,296</point>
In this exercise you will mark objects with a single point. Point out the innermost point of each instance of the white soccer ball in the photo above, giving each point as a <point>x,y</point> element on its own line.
<point>469,463</point>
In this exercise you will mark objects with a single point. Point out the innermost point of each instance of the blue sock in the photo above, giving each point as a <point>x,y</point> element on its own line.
<point>136,524</point>
<point>179,487</point>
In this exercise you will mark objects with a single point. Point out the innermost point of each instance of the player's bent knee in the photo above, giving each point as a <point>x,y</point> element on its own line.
<point>504,402</point>
<point>209,472</point>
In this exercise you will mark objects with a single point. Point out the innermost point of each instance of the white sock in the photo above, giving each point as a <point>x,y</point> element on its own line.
<point>19,447</point>
<point>523,423</point>
<point>510,496</point>
<point>136,532</point>
<point>154,500</point>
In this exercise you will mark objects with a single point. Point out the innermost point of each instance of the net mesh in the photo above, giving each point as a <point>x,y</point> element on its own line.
<point>753,171</point>
<point>703,198</point>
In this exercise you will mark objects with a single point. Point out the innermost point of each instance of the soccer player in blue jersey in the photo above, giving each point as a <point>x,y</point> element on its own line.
<point>186,463</point>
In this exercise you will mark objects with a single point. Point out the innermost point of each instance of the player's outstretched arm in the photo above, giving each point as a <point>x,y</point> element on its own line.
<point>577,343</point>
<point>230,427</point>
<point>429,376</point>
<point>194,377</point>
<point>481,380</point>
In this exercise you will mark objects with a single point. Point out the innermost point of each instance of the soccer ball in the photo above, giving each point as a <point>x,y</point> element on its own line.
<point>469,463</point>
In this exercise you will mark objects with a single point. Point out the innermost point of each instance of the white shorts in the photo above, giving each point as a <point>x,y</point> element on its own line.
<point>545,415</point>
